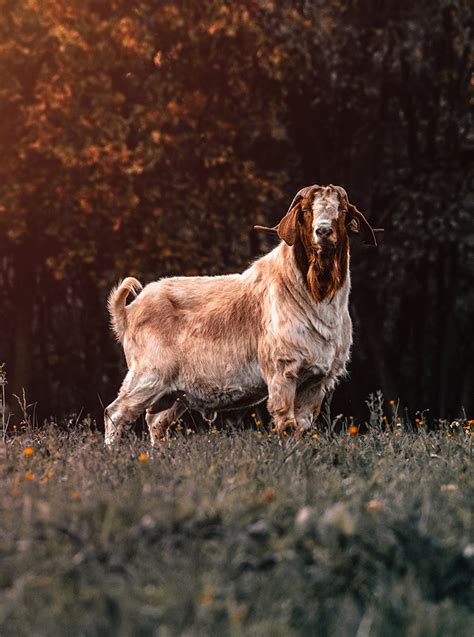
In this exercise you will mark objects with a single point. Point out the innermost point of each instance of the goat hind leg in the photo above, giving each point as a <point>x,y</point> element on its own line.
<point>135,395</point>
<point>159,423</point>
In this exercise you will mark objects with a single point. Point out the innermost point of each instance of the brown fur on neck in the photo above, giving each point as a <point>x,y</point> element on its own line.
<point>325,271</point>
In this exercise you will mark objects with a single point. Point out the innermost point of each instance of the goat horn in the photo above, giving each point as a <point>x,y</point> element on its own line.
<point>266,230</point>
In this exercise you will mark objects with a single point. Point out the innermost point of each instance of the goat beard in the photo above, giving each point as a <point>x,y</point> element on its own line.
<point>327,270</point>
<point>324,269</point>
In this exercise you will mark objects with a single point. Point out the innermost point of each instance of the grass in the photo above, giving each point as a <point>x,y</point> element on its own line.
<point>238,533</point>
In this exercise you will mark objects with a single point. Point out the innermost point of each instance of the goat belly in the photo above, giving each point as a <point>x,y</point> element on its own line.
<point>223,397</point>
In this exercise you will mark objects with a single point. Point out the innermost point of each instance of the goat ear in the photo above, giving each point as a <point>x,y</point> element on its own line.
<point>358,224</point>
<point>288,226</point>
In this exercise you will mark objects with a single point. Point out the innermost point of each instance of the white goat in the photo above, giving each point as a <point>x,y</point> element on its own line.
<point>280,329</point>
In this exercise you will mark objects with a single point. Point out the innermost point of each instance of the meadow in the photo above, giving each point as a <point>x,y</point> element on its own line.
<point>356,530</point>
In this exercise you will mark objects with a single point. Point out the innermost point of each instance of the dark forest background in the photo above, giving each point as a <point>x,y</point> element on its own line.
<point>146,138</point>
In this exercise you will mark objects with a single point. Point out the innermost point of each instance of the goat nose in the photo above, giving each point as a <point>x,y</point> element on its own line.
<point>324,231</point>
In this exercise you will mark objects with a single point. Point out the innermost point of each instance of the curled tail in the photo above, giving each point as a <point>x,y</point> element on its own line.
<point>116,305</point>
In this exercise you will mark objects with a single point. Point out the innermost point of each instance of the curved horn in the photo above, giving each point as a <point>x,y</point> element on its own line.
<point>342,192</point>
<point>301,194</point>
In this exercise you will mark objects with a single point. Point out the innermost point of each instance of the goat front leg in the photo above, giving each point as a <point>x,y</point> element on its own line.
<point>281,401</point>
<point>308,401</point>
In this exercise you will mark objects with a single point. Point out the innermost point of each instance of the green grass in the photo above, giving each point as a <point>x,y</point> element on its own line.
<point>237,533</point>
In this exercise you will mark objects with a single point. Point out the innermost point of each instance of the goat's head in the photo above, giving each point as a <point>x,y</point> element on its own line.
<point>323,217</point>
<point>318,224</point>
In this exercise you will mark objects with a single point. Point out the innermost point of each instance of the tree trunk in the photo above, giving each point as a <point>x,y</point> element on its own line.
<point>23,306</point>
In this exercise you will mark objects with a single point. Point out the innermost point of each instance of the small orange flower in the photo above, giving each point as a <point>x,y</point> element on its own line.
<point>391,402</point>
<point>205,598</point>
<point>353,430</point>
<point>76,495</point>
<point>374,505</point>
<point>143,457</point>
<point>29,475</point>
<point>315,436</point>
<point>268,495</point>
<point>28,451</point>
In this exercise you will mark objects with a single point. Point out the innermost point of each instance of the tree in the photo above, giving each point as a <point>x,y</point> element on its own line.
<point>147,140</point>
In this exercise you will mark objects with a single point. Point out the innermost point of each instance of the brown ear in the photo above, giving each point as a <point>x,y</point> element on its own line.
<point>358,224</point>
<point>288,226</point>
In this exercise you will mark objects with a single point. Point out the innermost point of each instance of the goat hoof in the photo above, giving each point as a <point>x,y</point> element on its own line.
<point>282,427</point>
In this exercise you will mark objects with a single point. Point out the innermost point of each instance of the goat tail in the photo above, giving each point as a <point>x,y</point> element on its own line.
<point>117,307</point>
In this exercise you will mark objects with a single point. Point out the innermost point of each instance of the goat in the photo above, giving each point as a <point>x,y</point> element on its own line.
<point>280,329</point>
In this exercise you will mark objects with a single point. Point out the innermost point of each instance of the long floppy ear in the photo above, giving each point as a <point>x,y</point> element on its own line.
<point>288,227</point>
<point>358,224</point>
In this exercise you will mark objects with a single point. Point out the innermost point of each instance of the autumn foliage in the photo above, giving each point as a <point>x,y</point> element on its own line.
<point>147,138</point>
